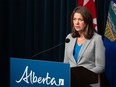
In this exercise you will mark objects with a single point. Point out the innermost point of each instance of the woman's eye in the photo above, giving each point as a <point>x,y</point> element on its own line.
<point>80,19</point>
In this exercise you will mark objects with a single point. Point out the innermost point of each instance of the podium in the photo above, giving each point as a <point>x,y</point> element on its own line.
<point>81,76</point>
<point>38,73</point>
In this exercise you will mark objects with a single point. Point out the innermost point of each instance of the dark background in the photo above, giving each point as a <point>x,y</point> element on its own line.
<point>31,26</point>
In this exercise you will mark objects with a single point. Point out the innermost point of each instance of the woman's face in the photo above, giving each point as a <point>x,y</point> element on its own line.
<point>78,22</point>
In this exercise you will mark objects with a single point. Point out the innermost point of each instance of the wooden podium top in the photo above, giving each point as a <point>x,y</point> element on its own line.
<point>81,76</point>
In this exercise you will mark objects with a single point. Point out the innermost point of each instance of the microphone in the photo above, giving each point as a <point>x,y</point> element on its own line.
<point>67,40</point>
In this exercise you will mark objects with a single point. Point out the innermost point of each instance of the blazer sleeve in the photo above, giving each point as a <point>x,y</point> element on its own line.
<point>99,55</point>
<point>66,58</point>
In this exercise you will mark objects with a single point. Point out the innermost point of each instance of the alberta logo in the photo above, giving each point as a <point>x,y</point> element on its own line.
<point>30,77</point>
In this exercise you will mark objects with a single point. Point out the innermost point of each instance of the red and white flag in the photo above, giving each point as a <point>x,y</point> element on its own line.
<point>90,4</point>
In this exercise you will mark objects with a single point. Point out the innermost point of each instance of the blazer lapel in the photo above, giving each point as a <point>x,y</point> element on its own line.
<point>83,48</point>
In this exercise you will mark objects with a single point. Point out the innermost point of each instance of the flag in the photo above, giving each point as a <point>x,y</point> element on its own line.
<point>110,31</point>
<point>110,44</point>
<point>90,4</point>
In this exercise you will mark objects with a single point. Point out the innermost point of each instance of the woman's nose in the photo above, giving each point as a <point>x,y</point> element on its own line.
<point>77,21</point>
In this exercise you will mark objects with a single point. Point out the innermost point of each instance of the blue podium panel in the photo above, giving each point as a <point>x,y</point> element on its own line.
<point>37,73</point>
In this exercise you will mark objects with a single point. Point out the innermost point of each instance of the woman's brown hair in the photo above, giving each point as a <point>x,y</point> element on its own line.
<point>87,17</point>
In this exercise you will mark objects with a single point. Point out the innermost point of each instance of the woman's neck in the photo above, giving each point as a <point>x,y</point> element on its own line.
<point>80,40</point>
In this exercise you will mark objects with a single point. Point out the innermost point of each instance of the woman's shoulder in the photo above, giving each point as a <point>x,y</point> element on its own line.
<point>69,35</point>
<point>97,36</point>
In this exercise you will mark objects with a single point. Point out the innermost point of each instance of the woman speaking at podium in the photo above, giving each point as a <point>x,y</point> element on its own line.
<point>85,47</point>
